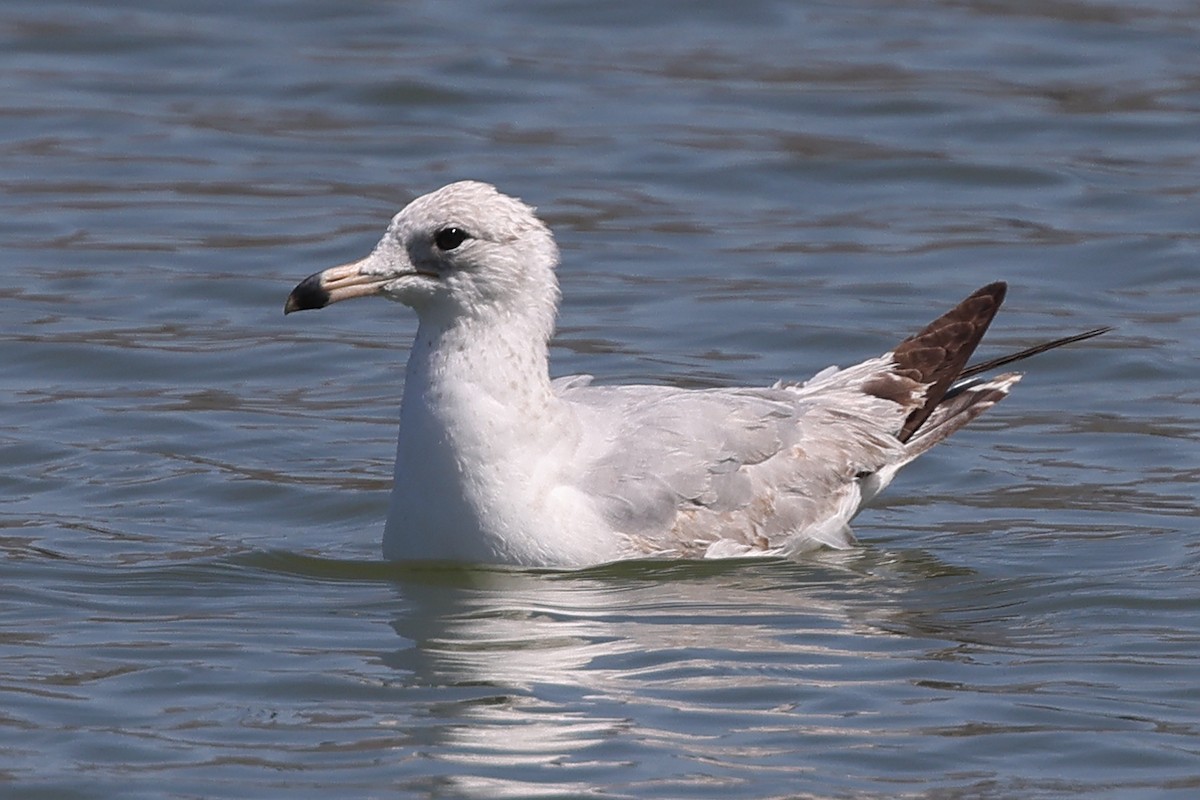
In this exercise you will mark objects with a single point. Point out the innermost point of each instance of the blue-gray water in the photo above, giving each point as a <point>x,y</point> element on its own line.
<point>192,487</point>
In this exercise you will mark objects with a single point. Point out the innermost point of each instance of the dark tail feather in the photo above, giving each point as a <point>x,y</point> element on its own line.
<point>1021,355</point>
<point>937,355</point>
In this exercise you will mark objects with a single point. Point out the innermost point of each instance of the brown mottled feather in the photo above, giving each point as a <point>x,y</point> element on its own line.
<point>937,355</point>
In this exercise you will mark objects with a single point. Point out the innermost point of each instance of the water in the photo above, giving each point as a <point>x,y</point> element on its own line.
<point>192,487</point>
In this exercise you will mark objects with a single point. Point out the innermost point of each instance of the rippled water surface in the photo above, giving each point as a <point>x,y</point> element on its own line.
<point>192,487</point>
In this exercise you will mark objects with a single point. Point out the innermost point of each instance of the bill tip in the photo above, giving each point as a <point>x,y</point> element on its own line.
<point>308,294</point>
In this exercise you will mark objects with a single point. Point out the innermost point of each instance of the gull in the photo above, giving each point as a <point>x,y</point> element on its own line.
<point>497,463</point>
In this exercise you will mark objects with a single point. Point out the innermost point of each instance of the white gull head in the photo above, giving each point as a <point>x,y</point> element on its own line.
<point>463,252</point>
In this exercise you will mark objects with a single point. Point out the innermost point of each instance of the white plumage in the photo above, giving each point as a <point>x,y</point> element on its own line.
<point>497,463</point>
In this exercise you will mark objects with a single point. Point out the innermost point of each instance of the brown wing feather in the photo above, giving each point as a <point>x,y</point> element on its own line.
<point>937,354</point>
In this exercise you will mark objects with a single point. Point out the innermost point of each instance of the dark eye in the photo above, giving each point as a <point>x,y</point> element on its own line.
<point>449,238</point>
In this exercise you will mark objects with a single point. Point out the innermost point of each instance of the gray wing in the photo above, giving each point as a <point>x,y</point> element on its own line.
<point>729,471</point>
<point>778,470</point>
